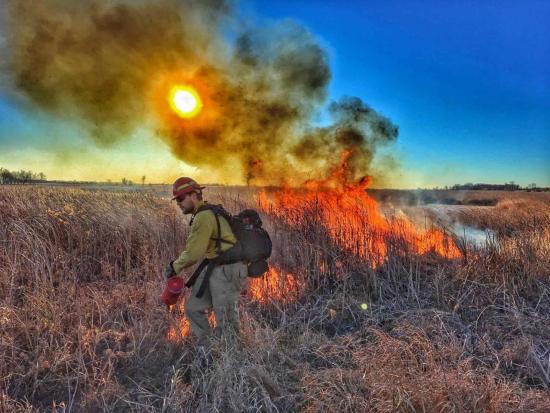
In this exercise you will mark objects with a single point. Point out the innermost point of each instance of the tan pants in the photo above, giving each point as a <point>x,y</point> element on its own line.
<point>221,295</point>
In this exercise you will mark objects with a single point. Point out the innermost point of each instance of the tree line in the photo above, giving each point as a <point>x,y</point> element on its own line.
<point>508,186</point>
<point>20,177</point>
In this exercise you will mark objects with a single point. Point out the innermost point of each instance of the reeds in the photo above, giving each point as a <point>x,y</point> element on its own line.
<point>82,330</point>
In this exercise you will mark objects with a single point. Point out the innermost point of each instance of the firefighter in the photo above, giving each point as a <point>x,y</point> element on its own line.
<point>222,288</point>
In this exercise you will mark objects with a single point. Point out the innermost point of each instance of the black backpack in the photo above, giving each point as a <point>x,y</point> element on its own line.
<point>253,244</point>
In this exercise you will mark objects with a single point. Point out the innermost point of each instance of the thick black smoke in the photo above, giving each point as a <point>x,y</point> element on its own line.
<point>109,65</point>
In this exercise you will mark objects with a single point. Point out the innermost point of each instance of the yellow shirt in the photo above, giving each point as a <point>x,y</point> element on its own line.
<point>200,242</point>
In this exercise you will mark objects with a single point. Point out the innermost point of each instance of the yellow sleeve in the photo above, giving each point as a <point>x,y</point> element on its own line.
<point>197,242</point>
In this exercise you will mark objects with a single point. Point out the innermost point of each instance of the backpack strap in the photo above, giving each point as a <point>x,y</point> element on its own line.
<point>219,239</point>
<point>204,207</point>
<point>216,211</point>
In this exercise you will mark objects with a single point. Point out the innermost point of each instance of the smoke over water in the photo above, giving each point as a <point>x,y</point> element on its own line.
<point>109,66</point>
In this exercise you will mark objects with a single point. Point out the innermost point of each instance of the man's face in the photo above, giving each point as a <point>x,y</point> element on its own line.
<point>187,203</point>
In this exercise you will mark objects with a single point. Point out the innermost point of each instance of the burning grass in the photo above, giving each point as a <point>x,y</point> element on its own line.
<point>447,326</point>
<point>354,223</point>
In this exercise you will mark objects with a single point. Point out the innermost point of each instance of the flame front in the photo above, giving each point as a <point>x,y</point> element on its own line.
<point>353,220</point>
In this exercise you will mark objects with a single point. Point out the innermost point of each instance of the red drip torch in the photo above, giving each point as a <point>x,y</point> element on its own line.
<point>172,291</point>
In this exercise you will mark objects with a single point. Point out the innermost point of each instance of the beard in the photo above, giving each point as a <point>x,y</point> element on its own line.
<point>187,210</point>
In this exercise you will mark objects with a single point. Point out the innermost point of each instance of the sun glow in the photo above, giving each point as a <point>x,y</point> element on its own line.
<point>185,101</point>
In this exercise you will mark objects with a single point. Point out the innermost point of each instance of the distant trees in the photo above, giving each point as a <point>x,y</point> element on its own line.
<point>6,177</point>
<point>509,186</point>
<point>20,177</point>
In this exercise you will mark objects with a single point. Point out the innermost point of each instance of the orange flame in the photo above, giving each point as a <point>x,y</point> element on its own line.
<point>179,325</point>
<point>275,285</point>
<point>353,220</point>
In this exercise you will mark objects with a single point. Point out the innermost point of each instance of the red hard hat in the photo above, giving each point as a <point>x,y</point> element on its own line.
<point>184,185</point>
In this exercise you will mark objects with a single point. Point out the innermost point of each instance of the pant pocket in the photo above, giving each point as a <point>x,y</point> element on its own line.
<point>243,276</point>
<point>227,273</point>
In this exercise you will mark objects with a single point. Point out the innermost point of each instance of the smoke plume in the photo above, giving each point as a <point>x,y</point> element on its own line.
<point>109,65</point>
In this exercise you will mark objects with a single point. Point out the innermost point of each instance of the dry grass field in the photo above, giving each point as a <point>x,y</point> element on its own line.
<point>360,311</point>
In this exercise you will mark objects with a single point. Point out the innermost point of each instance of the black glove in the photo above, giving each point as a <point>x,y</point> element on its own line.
<point>169,271</point>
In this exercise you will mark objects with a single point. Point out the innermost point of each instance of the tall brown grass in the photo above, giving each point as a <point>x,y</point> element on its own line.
<point>82,330</point>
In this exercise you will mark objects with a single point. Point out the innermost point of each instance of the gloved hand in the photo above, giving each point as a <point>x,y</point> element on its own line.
<point>169,271</point>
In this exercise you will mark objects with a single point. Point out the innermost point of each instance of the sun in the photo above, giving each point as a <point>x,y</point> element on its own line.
<point>185,101</point>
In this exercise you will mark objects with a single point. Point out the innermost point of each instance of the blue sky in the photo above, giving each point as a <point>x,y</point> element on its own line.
<point>467,82</point>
